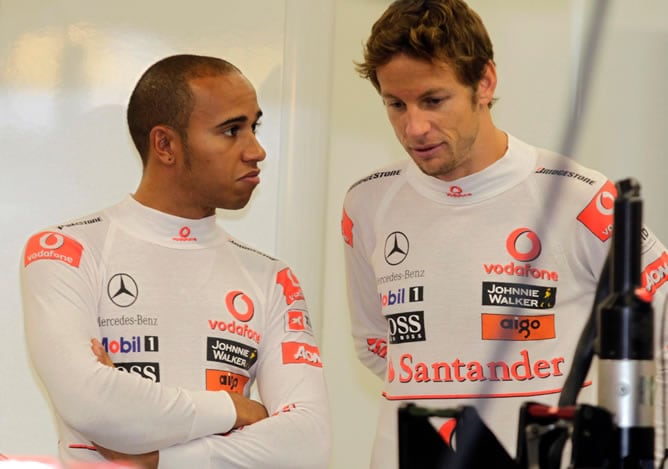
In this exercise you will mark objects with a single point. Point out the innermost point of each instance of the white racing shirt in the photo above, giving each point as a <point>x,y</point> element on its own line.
<point>475,291</point>
<point>184,311</point>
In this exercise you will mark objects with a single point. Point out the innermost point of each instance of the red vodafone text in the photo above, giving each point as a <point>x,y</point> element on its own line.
<point>234,328</point>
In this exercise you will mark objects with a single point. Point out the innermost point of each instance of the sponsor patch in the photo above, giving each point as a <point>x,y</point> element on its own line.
<point>655,274</point>
<point>377,346</point>
<point>597,216</point>
<point>299,352</point>
<point>410,369</point>
<point>218,380</point>
<point>291,288</point>
<point>49,245</point>
<point>347,229</point>
<point>518,295</point>
<point>406,327</point>
<point>297,320</point>
<point>148,370</point>
<point>133,344</point>
<point>230,352</point>
<point>401,295</point>
<point>517,328</point>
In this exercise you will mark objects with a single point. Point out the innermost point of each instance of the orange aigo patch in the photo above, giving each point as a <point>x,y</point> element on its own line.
<point>519,328</point>
<point>218,380</point>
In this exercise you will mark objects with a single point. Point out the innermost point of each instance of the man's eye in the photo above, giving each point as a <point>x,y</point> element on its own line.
<point>232,131</point>
<point>434,101</point>
<point>256,126</point>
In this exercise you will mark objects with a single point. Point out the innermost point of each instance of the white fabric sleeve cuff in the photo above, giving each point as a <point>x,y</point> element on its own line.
<point>214,413</point>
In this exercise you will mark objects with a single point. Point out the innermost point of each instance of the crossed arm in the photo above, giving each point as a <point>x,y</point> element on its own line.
<point>248,412</point>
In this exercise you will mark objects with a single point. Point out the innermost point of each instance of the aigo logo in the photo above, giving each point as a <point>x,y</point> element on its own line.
<point>231,303</point>
<point>523,245</point>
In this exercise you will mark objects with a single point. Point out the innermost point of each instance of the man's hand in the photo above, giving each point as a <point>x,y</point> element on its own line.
<point>248,410</point>
<point>141,461</point>
<point>100,353</point>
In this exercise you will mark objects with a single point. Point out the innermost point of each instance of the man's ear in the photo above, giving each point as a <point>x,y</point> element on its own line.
<point>487,84</point>
<point>164,143</point>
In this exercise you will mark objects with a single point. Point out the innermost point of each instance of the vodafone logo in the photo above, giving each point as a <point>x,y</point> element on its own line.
<point>51,241</point>
<point>238,298</point>
<point>457,191</point>
<point>184,235</point>
<point>523,245</point>
<point>605,203</point>
<point>49,245</point>
<point>597,216</point>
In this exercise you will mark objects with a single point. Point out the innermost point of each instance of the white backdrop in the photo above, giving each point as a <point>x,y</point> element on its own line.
<point>67,68</point>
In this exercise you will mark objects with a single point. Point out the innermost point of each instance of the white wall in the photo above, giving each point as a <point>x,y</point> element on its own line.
<point>67,68</point>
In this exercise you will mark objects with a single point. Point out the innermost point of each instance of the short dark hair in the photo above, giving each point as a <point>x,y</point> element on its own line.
<point>435,30</point>
<point>163,95</point>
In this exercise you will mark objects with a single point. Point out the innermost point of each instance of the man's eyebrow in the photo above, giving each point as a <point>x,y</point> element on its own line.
<point>427,93</point>
<point>238,120</point>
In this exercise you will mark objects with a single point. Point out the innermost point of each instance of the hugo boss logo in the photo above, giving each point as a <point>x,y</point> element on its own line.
<point>406,327</point>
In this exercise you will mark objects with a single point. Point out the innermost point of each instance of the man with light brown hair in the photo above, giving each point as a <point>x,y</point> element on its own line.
<point>467,287</point>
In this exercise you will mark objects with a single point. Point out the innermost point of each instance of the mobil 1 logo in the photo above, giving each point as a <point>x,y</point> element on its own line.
<point>406,327</point>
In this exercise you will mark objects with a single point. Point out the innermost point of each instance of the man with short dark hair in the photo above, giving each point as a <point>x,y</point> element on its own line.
<point>183,318</point>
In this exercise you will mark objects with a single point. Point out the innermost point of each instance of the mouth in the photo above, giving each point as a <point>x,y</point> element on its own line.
<point>251,177</point>
<point>425,151</point>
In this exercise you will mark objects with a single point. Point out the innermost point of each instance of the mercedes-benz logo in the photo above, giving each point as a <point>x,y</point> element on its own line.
<point>396,248</point>
<point>122,290</point>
